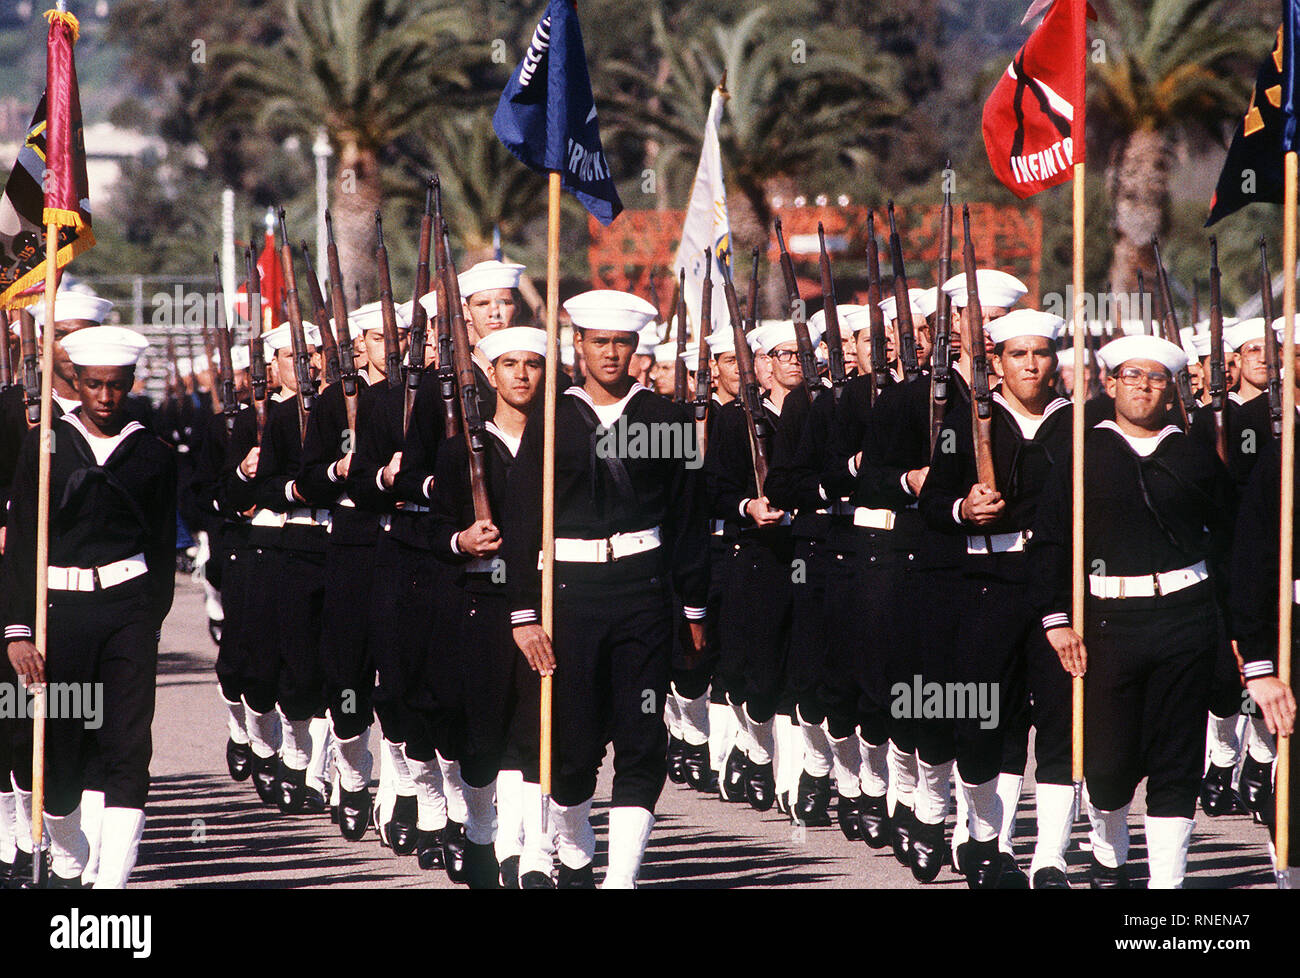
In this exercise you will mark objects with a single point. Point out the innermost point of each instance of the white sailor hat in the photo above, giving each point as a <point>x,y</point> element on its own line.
<point>923,304</point>
<point>854,319</point>
<point>489,275</point>
<point>609,309</point>
<point>691,355</point>
<point>371,316</point>
<point>817,321</point>
<point>200,363</point>
<point>1244,331</point>
<point>105,346</point>
<point>278,338</point>
<point>1065,356</point>
<point>1127,348</point>
<point>239,357</point>
<point>648,338</point>
<point>1024,322</point>
<point>568,356</point>
<point>998,290</point>
<point>526,338</point>
<point>721,341</point>
<point>1279,326</point>
<point>184,366</point>
<point>775,332</point>
<point>73,305</point>
<point>666,352</point>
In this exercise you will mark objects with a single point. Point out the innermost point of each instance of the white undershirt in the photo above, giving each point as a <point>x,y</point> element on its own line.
<point>101,446</point>
<point>609,413</point>
<point>1028,426</point>
<point>1143,446</point>
<point>69,404</point>
<point>511,442</point>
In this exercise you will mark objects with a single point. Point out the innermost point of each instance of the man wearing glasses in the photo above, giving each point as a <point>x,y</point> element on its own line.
<point>1156,532</point>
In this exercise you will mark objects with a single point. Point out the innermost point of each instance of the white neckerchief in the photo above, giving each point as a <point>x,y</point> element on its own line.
<point>607,413</point>
<point>1142,446</point>
<point>510,441</point>
<point>102,446</point>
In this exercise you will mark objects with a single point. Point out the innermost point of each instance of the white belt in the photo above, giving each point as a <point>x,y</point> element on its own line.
<point>264,517</point>
<point>86,578</point>
<point>999,543</point>
<point>413,508</point>
<point>616,547</point>
<point>480,565</point>
<point>1147,585</point>
<point>873,519</point>
<point>1297,592</point>
<point>345,500</point>
<point>306,516</point>
<point>717,526</point>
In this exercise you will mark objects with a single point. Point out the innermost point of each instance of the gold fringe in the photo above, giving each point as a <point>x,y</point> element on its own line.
<point>65,18</point>
<point>63,218</point>
<point>10,298</point>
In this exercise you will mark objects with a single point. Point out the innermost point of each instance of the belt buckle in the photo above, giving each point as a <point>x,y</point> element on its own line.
<point>1155,584</point>
<point>1121,587</point>
<point>609,550</point>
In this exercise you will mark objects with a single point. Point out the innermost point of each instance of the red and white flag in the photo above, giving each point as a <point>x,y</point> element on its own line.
<point>1034,120</point>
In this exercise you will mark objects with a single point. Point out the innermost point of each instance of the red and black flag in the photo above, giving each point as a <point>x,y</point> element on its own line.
<point>1034,120</point>
<point>48,184</point>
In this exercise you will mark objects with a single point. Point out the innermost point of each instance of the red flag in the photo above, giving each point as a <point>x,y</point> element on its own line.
<point>67,191</point>
<point>271,280</point>
<point>1034,120</point>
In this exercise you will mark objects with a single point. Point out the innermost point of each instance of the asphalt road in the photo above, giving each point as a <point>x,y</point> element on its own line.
<point>204,830</point>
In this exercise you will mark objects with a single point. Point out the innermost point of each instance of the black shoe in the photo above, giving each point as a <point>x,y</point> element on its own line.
<point>334,814</point>
<point>401,827</point>
<point>239,760</point>
<point>1255,786</point>
<point>574,879</point>
<point>533,880</point>
<point>313,802</point>
<point>22,879</point>
<point>354,814</point>
<point>783,804</point>
<point>676,766</point>
<point>1104,878</point>
<point>453,851</point>
<point>927,852</point>
<point>292,791</point>
<point>482,871</point>
<point>56,882</point>
<point>510,873</point>
<point>695,763</point>
<point>214,631</point>
<point>760,786</point>
<point>709,782</point>
<point>1012,876</point>
<point>981,864</point>
<point>1217,797</point>
<point>876,829</point>
<point>904,825</point>
<point>812,805</point>
<point>1051,878</point>
<point>731,786</point>
<point>266,778</point>
<point>846,813</point>
<point>6,874</point>
<point>428,849</point>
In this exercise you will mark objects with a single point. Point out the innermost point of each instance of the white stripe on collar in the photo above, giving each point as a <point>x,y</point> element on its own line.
<point>577,390</point>
<point>771,406</point>
<point>509,441</point>
<point>1052,407</point>
<point>1165,432</point>
<point>127,429</point>
<point>1235,398</point>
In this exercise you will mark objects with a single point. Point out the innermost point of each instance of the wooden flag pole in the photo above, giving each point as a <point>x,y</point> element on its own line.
<point>548,468</point>
<point>1286,590</point>
<point>1076,490</point>
<point>43,545</point>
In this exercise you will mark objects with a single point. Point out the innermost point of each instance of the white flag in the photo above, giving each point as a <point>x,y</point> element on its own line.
<point>706,226</point>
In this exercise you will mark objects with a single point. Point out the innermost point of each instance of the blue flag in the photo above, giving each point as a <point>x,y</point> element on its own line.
<point>1290,81</point>
<point>547,117</point>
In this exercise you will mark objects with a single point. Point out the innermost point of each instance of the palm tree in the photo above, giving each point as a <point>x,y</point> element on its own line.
<point>370,72</point>
<point>1171,69</point>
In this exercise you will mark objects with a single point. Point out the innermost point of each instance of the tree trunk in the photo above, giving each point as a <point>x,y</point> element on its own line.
<point>356,195</point>
<point>1139,185</point>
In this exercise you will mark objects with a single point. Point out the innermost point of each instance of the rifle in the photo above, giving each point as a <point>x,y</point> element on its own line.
<point>31,366</point>
<point>173,387</point>
<point>679,361</point>
<point>297,339</point>
<point>902,303</point>
<point>981,414</point>
<point>339,312</point>
<point>210,342</point>
<point>799,315</point>
<point>256,348</point>
<point>941,351</point>
<point>1217,382</point>
<point>475,431</point>
<point>1143,308</point>
<point>446,371</point>
<point>1169,325</point>
<point>223,366</point>
<point>321,313</point>
<point>752,323</point>
<point>830,312</point>
<point>6,354</point>
<point>879,343</point>
<point>392,345</point>
<point>703,374</point>
<point>419,317</point>
<point>1272,356</point>
<point>760,432</point>
<point>654,294</point>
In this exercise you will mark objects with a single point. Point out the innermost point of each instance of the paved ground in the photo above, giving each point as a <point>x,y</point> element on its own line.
<point>204,830</point>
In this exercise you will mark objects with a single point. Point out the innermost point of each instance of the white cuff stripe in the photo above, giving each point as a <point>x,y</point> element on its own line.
<point>1255,670</point>
<point>17,631</point>
<point>956,512</point>
<point>1057,619</point>
<point>428,485</point>
<point>693,614</point>
<point>525,617</point>
<point>332,473</point>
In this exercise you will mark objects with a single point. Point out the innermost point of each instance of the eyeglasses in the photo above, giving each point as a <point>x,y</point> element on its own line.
<point>1133,376</point>
<point>785,356</point>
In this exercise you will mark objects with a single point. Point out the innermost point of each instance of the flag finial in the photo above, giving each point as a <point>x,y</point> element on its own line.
<point>62,16</point>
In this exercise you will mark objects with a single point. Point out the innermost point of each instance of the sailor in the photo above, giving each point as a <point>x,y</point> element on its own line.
<point>111,579</point>
<point>630,532</point>
<point>1151,620</point>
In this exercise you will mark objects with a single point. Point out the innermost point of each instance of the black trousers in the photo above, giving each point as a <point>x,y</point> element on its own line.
<point>247,662</point>
<point>758,612</point>
<point>347,665</point>
<point>300,682</point>
<point>808,627</point>
<point>935,595</point>
<point>1051,693</point>
<point>723,550</point>
<point>613,648</point>
<point>1227,696</point>
<point>108,641</point>
<point>1146,694</point>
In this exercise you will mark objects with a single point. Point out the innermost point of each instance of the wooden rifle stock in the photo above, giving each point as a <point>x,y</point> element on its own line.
<point>342,332</point>
<point>1272,355</point>
<point>6,353</point>
<point>210,345</point>
<point>297,338</point>
<point>223,368</point>
<point>419,317</point>
<point>392,345</point>
<point>1169,326</point>
<point>830,312</point>
<point>981,413</point>
<point>799,316</point>
<point>941,352</point>
<point>256,348</point>
<point>750,397</point>
<point>471,414</point>
<point>320,313</point>
<point>446,369</point>
<point>879,343</point>
<point>1217,382</point>
<point>752,323</point>
<point>902,303</point>
<point>679,361</point>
